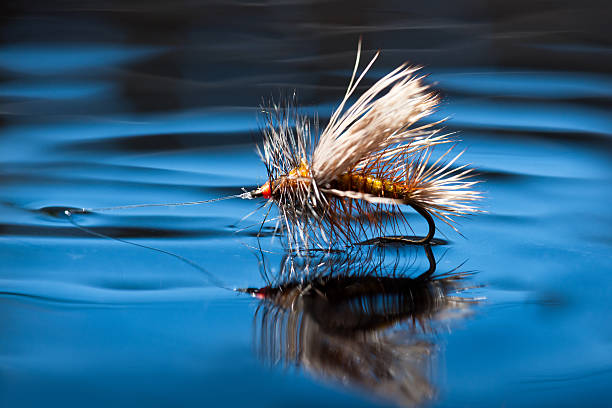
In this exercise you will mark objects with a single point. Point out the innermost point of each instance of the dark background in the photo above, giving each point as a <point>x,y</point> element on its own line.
<point>218,53</point>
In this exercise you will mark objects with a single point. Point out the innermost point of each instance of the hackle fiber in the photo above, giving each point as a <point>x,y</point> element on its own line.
<point>381,136</point>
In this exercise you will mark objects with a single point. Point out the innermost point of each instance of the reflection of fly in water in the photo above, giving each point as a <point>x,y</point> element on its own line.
<point>358,320</point>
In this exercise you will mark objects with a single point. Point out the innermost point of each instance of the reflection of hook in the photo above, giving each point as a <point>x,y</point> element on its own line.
<point>432,263</point>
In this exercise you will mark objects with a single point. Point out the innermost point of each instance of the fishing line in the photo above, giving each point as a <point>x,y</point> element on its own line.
<point>212,279</point>
<point>244,195</point>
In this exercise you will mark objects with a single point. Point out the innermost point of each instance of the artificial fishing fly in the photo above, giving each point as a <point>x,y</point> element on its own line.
<point>370,160</point>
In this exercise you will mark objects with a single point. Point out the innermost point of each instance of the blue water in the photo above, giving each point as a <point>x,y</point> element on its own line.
<point>113,104</point>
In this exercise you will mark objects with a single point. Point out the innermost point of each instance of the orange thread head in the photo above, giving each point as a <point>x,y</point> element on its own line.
<point>262,293</point>
<point>266,190</point>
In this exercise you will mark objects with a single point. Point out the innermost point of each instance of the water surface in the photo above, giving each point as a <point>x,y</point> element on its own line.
<point>108,104</point>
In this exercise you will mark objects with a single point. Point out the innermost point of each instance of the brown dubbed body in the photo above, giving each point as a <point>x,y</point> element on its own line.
<point>358,183</point>
<point>370,185</point>
<point>347,182</point>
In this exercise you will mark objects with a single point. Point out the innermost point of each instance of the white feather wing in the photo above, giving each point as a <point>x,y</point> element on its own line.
<point>382,116</point>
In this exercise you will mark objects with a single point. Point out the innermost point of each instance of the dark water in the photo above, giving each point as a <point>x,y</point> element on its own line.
<point>107,104</point>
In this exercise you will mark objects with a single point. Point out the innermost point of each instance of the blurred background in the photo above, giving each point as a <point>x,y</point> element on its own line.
<point>107,103</point>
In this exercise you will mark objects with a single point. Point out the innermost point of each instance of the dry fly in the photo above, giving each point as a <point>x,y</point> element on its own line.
<point>373,158</point>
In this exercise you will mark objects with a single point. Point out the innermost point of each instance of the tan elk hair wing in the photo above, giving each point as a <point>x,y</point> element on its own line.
<point>381,117</point>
